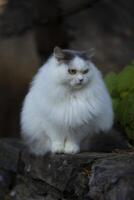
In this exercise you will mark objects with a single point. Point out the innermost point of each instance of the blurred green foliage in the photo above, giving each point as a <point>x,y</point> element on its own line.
<point>121,88</point>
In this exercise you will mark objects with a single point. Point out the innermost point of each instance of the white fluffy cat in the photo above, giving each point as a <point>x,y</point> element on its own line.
<point>66,103</point>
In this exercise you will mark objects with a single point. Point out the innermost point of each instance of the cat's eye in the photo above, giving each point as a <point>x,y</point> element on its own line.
<point>72,71</point>
<point>85,71</point>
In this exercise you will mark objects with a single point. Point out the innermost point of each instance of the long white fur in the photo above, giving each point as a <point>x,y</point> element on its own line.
<point>58,113</point>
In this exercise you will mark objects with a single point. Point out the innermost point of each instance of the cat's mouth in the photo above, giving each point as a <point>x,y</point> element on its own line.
<point>78,86</point>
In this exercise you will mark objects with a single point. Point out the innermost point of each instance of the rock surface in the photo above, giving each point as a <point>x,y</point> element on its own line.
<point>84,176</point>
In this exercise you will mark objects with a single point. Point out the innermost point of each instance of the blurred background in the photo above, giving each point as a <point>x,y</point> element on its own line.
<point>30,29</point>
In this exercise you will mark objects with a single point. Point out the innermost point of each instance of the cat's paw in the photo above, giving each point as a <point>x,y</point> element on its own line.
<point>57,147</point>
<point>71,148</point>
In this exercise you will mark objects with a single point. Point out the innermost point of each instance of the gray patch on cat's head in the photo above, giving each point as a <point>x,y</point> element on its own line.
<point>66,55</point>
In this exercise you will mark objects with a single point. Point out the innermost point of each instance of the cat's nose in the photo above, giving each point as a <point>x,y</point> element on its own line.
<point>81,80</point>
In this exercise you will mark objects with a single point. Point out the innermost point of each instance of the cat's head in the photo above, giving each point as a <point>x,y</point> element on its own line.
<point>74,67</point>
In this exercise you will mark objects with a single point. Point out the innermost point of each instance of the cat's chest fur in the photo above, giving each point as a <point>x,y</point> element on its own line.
<point>73,110</point>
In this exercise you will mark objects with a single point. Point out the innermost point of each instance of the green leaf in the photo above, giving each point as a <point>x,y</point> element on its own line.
<point>111,83</point>
<point>125,81</point>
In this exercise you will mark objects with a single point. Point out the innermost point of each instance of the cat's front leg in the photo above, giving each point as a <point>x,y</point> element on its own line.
<point>74,139</point>
<point>71,146</point>
<point>57,147</point>
<point>57,141</point>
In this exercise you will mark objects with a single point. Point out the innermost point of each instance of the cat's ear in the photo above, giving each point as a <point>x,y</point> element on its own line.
<point>58,53</point>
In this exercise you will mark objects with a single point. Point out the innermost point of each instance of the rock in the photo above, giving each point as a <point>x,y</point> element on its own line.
<point>84,176</point>
<point>9,157</point>
<point>58,168</point>
<point>113,178</point>
<point>9,154</point>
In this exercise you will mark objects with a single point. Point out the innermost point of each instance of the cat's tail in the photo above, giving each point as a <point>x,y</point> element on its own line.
<point>106,142</point>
